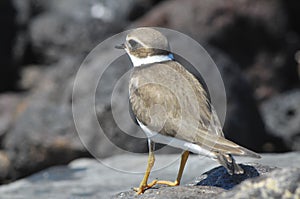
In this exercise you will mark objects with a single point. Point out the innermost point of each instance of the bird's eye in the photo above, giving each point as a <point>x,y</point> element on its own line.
<point>133,43</point>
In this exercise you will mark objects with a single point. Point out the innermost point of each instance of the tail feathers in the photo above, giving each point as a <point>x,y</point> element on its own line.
<point>229,163</point>
<point>225,146</point>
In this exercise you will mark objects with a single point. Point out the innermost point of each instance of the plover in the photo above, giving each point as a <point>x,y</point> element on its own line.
<point>172,107</point>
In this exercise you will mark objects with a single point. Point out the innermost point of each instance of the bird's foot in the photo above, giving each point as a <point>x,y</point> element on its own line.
<point>143,187</point>
<point>169,183</point>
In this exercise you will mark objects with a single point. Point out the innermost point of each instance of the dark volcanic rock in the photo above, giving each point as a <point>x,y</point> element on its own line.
<point>282,117</point>
<point>219,177</point>
<point>8,73</point>
<point>14,19</point>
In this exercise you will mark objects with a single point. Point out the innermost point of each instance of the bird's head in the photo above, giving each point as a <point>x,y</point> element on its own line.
<point>145,46</point>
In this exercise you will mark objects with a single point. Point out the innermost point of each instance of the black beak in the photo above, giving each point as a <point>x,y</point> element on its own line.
<point>121,46</point>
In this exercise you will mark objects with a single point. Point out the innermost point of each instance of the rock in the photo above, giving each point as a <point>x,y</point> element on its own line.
<point>43,133</point>
<point>8,73</point>
<point>253,33</point>
<point>5,165</point>
<point>15,16</point>
<point>282,117</point>
<point>218,177</point>
<point>208,185</point>
<point>9,104</point>
<point>243,123</point>
<point>88,178</point>
<point>55,36</point>
<point>111,105</point>
<point>292,14</point>
<point>207,20</point>
<point>281,183</point>
<point>79,9</point>
<point>71,27</point>
<point>174,192</point>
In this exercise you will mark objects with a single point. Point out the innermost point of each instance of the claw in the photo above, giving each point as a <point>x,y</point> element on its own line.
<point>143,188</point>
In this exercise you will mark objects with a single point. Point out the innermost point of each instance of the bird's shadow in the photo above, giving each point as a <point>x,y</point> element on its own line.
<point>219,177</point>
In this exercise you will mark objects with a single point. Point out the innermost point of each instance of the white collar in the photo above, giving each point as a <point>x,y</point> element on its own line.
<point>136,61</point>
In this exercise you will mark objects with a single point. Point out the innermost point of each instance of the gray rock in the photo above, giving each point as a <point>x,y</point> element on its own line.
<point>9,104</point>
<point>209,185</point>
<point>5,165</point>
<point>42,133</point>
<point>102,9</point>
<point>281,183</point>
<point>74,27</point>
<point>282,117</point>
<point>54,35</point>
<point>178,192</point>
<point>87,178</point>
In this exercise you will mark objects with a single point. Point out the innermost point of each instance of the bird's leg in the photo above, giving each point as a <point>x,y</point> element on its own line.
<point>151,159</point>
<point>184,158</point>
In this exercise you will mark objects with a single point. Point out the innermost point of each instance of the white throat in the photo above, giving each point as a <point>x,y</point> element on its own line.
<point>136,61</point>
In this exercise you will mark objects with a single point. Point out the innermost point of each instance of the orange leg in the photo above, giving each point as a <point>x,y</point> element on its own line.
<point>184,158</point>
<point>151,159</point>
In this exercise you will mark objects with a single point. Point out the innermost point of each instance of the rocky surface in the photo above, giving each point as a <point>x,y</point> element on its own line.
<point>281,183</point>
<point>114,176</point>
<point>8,111</point>
<point>43,44</point>
<point>282,116</point>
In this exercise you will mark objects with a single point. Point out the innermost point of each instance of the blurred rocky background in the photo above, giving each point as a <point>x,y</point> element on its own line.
<point>255,44</point>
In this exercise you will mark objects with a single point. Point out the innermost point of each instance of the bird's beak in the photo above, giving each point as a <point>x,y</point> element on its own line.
<point>121,46</point>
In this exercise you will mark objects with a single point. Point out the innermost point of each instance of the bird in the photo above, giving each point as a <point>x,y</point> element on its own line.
<point>172,107</point>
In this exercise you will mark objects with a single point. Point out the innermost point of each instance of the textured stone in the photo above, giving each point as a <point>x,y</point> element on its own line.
<point>74,27</point>
<point>282,117</point>
<point>178,192</point>
<point>9,104</point>
<point>115,176</point>
<point>42,133</point>
<point>218,177</point>
<point>281,183</point>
